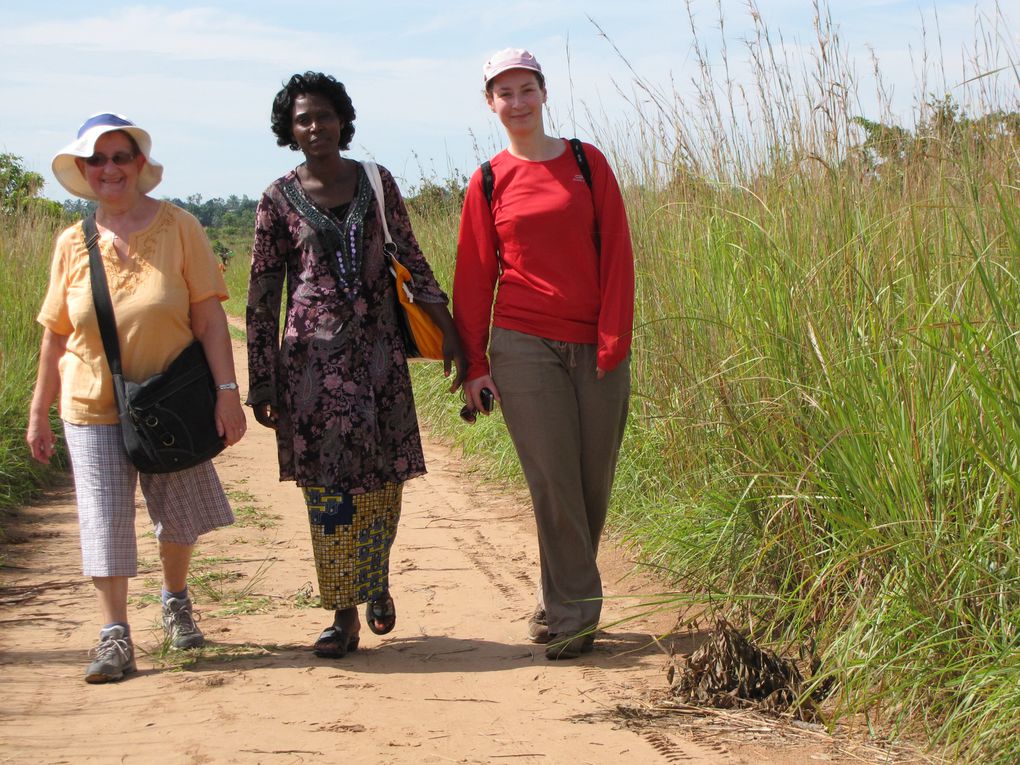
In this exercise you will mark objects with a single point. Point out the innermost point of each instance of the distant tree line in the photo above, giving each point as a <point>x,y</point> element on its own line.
<point>945,133</point>
<point>233,213</point>
<point>19,189</point>
<point>431,197</point>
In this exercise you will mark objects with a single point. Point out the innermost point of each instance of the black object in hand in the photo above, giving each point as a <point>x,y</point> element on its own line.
<point>486,396</point>
<point>468,413</point>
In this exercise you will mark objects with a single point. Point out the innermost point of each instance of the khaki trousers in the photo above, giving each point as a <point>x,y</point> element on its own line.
<point>567,426</point>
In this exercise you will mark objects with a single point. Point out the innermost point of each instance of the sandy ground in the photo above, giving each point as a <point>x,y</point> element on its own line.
<point>455,682</point>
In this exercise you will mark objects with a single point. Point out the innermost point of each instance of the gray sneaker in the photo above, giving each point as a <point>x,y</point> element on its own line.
<point>538,626</point>
<point>113,658</point>
<point>179,624</point>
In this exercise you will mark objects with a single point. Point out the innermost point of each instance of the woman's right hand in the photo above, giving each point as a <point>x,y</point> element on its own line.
<point>39,435</point>
<point>473,393</point>
<point>265,414</point>
<point>41,440</point>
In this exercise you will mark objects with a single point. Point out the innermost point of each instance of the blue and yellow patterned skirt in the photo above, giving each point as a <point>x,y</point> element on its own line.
<point>351,538</point>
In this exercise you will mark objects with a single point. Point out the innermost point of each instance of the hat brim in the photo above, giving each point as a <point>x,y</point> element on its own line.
<point>65,168</point>
<point>508,67</point>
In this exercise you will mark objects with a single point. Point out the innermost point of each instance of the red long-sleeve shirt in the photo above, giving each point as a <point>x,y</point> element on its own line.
<point>556,281</point>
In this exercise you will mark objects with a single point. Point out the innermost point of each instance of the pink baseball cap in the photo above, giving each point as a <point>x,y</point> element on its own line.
<point>509,58</point>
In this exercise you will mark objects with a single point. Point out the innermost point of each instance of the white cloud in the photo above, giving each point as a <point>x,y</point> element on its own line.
<point>190,34</point>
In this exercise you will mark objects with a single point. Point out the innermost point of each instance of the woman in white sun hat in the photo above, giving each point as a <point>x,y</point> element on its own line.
<point>166,288</point>
<point>544,220</point>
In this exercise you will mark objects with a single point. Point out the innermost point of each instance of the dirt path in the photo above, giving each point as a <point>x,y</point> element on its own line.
<point>455,682</point>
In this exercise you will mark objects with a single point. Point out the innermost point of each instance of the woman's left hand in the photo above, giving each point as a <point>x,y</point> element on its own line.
<point>209,325</point>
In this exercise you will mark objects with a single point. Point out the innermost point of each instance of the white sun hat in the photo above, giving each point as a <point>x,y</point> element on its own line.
<point>65,169</point>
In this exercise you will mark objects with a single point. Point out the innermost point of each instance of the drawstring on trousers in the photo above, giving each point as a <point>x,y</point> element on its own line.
<point>571,351</point>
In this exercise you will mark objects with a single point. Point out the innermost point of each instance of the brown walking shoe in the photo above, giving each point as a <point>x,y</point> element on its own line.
<point>563,647</point>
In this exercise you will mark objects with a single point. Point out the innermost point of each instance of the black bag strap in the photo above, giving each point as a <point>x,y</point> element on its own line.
<point>101,296</point>
<point>582,160</point>
<point>582,163</point>
<point>489,180</point>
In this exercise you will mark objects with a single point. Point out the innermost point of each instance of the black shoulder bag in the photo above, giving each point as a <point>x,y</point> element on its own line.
<point>168,422</point>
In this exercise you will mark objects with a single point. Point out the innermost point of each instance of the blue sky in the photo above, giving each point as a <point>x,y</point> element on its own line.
<point>201,76</point>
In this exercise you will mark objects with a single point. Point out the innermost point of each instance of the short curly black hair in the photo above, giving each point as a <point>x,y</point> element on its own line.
<point>302,85</point>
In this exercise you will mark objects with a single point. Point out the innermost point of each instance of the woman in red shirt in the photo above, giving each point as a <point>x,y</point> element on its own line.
<point>545,222</point>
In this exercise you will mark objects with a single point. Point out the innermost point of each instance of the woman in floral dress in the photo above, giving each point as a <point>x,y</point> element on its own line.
<point>336,386</point>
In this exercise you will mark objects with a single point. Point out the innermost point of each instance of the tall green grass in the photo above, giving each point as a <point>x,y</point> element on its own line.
<point>827,370</point>
<point>825,434</point>
<point>238,267</point>
<point>26,244</point>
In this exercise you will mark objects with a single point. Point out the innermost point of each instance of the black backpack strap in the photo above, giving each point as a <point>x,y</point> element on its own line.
<point>582,160</point>
<point>101,296</point>
<point>488,181</point>
<point>582,164</point>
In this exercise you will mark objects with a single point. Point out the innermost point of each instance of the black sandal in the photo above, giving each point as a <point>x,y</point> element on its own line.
<point>383,612</point>
<point>335,643</point>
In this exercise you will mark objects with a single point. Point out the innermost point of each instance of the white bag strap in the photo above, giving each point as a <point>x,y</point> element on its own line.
<point>375,180</point>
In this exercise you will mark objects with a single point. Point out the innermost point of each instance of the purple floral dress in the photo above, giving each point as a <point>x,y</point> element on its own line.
<point>338,377</point>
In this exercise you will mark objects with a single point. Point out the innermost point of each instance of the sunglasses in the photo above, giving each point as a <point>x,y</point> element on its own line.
<point>469,414</point>
<point>119,158</point>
